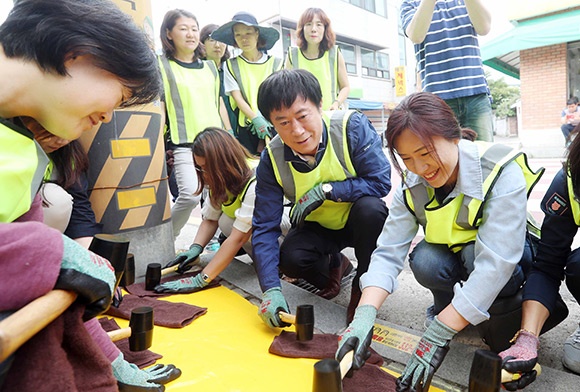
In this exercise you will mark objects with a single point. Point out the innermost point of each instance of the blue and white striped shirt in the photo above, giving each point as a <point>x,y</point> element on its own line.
<point>448,60</point>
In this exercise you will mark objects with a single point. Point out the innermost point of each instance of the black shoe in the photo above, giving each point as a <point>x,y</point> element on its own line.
<point>332,288</point>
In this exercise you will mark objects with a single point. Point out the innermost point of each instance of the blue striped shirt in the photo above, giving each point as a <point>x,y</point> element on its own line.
<point>448,60</point>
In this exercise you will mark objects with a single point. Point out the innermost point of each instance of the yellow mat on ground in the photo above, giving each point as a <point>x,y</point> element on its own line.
<point>226,350</point>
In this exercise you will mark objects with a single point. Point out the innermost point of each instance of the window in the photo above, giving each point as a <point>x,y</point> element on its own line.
<point>375,64</point>
<point>574,69</point>
<point>378,7</point>
<point>349,57</point>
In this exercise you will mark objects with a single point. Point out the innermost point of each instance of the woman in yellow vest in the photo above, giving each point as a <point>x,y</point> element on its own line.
<point>244,74</point>
<point>554,262</point>
<point>317,53</point>
<point>470,199</point>
<point>217,52</point>
<point>226,168</point>
<point>192,103</point>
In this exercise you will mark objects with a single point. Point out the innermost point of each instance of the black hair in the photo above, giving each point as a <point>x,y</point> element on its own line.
<point>282,88</point>
<point>51,32</point>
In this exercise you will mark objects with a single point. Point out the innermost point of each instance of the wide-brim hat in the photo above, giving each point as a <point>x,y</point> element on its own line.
<point>226,32</point>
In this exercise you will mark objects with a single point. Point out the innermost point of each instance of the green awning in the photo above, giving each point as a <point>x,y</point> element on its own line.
<point>502,53</point>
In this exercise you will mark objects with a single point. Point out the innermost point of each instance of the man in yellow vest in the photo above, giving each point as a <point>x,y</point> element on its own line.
<point>66,64</point>
<point>331,166</point>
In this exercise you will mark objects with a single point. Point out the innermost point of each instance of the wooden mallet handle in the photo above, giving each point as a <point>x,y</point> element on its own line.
<point>26,322</point>
<point>168,270</point>
<point>287,317</point>
<point>118,334</point>
<point>346,363</point>
<point>508,377</point>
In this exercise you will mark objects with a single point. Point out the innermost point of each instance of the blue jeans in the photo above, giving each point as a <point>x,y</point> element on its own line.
<point>474,112</point>
<point>438,269</point>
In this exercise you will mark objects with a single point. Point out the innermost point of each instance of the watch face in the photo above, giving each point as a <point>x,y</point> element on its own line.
<point>205,278</point>
<point>327,187</point>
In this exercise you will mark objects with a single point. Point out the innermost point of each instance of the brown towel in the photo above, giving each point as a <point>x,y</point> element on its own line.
<point>140,358</point>
<point>165,313</point>
<point>139,288</point>
<point>321,346</point>
<point>369,378</point>
<point>61,357</point>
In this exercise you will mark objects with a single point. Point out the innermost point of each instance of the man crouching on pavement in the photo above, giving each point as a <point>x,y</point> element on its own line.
<point>331,166</point>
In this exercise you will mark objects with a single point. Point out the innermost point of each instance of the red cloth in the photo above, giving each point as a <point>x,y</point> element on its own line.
<point>370,378</point>
<point>140,358</point>
<point>165,314</point>
<point>139,288</point>
<point>30,257</point>
<point>321,346</point>
<point>61,357</point>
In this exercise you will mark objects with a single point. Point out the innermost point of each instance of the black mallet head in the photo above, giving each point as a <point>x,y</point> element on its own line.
<point>485,374</point>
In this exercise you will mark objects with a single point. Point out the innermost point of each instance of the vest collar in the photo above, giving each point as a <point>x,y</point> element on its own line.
<point>469,179</point>
<point>294,157</point>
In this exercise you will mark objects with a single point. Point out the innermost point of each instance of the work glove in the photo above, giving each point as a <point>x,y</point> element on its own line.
<point>520,359</point>
<point>130,377</point>
<point>87,274</point>
<point>186,259</point>
<point>260,127</point>
<point>182,286</point>
<point>427,358</point>
<point>310,201</point>
<point>273,302</point>
<point>357,337</point>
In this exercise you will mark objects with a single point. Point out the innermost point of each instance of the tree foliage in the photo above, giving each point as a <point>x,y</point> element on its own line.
<point>504,96</point>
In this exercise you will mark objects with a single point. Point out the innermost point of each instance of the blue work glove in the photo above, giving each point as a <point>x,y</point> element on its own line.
<point>260,127</point>
<point>310,201</point>
<point>520,360</point>
<point>87,274</point>
<point>186,259</point>
<point>357,337</point>
<point>273,302</point>
<point>428,356</point>
<point>181,286</point>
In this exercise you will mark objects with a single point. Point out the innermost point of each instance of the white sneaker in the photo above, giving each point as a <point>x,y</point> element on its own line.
<point>571,358</point>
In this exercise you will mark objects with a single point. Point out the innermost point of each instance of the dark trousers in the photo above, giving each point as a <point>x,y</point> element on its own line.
<point>567,130</point>
<point>305,253</point>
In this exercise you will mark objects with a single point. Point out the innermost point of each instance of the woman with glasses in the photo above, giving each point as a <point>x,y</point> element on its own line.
<point>226,168</point>
<point>217,52</point>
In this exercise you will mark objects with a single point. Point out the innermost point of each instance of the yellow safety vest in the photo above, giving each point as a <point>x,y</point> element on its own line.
<point>335,165</point>
<point>324,68</point>
<point>574,205</point>
<point>249,77</point>
<point>22,167</point>
<point>466,212</point>
<point>234,202</point>
<point>191,99</point>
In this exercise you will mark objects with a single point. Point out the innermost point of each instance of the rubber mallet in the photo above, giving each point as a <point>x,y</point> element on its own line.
<point>486,374</point>
<point>303,321</point>
<point>140,330</point>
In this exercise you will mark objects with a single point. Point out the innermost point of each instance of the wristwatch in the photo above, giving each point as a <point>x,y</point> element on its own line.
<point>205,278</point>
<point>327,189</point>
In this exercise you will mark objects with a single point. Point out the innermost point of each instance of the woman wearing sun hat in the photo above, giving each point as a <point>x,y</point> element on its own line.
<point>244,74</point>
